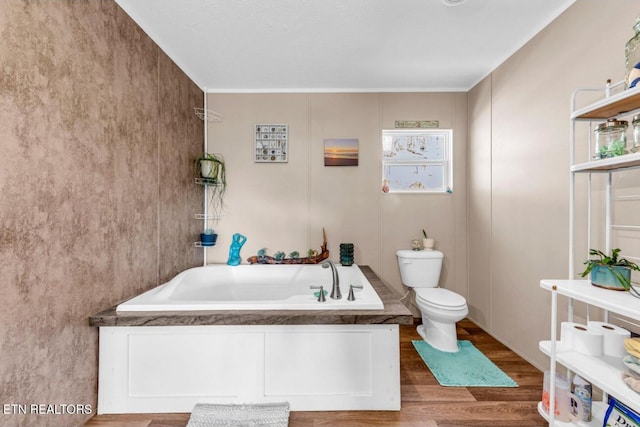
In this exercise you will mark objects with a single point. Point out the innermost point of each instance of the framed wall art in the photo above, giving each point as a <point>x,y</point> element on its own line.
<point>271,143</point>
<point>341,152</point>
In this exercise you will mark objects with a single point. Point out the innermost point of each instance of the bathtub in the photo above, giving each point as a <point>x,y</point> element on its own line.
<point>256,287</point>
<point>333,360</point>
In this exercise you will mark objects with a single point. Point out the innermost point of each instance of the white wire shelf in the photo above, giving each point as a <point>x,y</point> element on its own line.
<point>208,115</point>
<point>207,217</point>
<point>200,245</point>
<point>211,182</point>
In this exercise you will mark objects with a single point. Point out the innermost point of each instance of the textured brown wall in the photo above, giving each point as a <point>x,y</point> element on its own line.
<point>97,135</point>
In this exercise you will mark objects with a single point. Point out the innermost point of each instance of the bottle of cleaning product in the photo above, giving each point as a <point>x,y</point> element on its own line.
<point>582,390</point>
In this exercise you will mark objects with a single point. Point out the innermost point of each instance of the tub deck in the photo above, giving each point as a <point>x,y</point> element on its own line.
<point>394,312</point>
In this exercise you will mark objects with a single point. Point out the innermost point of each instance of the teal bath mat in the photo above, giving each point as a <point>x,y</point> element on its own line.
<point>466,368</point>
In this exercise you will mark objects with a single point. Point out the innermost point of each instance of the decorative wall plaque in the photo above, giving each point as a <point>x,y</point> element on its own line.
<point>417,124</point>
<point>272,143</point>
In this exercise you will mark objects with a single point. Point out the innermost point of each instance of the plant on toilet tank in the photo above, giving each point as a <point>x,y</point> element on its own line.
<point>427,242</point>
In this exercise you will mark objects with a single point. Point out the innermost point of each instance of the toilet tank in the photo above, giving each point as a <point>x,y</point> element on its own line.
<point>420,269</point>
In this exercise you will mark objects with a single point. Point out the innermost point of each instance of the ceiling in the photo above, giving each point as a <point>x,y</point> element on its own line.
<point>340,45</point>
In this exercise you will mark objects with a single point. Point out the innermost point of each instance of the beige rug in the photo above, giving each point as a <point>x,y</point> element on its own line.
<point>240,415</point>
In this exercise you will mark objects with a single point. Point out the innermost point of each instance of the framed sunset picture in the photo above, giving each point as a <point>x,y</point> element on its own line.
<point>341,152</point>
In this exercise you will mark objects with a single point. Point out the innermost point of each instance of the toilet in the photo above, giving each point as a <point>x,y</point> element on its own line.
<point>440,308</point>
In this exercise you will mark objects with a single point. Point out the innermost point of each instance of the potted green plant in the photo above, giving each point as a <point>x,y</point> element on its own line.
<point>208,237</point>
<point>610,271</point>
<point>427,242</point>
<point>211,168</point>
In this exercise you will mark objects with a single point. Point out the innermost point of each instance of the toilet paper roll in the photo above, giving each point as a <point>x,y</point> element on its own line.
<point>578,337</point>
<point>613,337</point>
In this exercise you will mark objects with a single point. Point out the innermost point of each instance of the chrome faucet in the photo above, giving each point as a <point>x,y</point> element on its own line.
<point>335,289</point>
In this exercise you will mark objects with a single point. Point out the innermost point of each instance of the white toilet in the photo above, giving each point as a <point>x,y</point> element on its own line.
<point>440,308</point>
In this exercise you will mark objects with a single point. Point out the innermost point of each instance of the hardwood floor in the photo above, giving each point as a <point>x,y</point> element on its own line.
<point>424,402</point>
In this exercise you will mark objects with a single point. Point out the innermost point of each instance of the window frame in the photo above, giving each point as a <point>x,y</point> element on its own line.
<point>446,160</point>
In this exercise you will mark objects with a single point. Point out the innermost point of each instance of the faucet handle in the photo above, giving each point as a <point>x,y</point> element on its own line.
<point>352,296</point>
<point>321,297</point>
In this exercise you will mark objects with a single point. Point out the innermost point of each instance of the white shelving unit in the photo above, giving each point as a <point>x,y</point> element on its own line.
<point>603,372</point>
<point>211,206</point>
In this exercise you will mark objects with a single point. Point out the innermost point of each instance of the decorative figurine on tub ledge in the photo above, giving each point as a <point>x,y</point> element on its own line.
<point>234,250</point>
<point>314,257</point>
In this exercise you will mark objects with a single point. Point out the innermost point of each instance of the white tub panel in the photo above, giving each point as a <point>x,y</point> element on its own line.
<point>313,367</point>
<point>215,364</point>
<point>318,362</point>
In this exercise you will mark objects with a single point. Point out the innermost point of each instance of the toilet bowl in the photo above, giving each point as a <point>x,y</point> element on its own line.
<point>440,308</point>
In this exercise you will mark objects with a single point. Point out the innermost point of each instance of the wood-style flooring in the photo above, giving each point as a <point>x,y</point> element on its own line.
<point>424,402</point>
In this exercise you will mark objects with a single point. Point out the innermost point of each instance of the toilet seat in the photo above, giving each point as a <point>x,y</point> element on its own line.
<point>440,298</point>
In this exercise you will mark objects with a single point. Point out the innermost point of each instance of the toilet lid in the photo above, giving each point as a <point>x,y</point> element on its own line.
<point>440,298</point>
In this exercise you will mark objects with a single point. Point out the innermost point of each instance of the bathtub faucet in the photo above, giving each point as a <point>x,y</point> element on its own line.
<point>335,289</point>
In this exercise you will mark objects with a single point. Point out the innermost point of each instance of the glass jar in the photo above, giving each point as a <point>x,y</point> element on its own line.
<point>611,139</point>
<point>632,55</point>
<point>636,133</point>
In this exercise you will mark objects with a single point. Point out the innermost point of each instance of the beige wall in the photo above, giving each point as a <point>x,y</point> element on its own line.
<point>97,139</point>
<point>97,201</point>
<point>285,206</point>
<point>518,167</point>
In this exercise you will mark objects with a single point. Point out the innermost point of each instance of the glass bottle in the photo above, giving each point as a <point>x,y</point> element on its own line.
<point>636,133</point>
<point>632,53</point>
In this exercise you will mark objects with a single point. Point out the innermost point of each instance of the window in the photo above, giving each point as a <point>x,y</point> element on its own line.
<point>417,161</point>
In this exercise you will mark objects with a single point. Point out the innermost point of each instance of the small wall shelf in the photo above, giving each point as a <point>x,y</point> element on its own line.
<point>213,207</point>
<point>208,115</point>
<point>200,245</point>
<point>207,217</point>
<point>209,182</point>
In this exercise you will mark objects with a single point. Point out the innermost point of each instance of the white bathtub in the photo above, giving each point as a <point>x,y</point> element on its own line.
<point>256,287</point>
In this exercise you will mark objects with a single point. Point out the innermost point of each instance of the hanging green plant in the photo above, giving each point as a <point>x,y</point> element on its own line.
<point>210,170</point>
